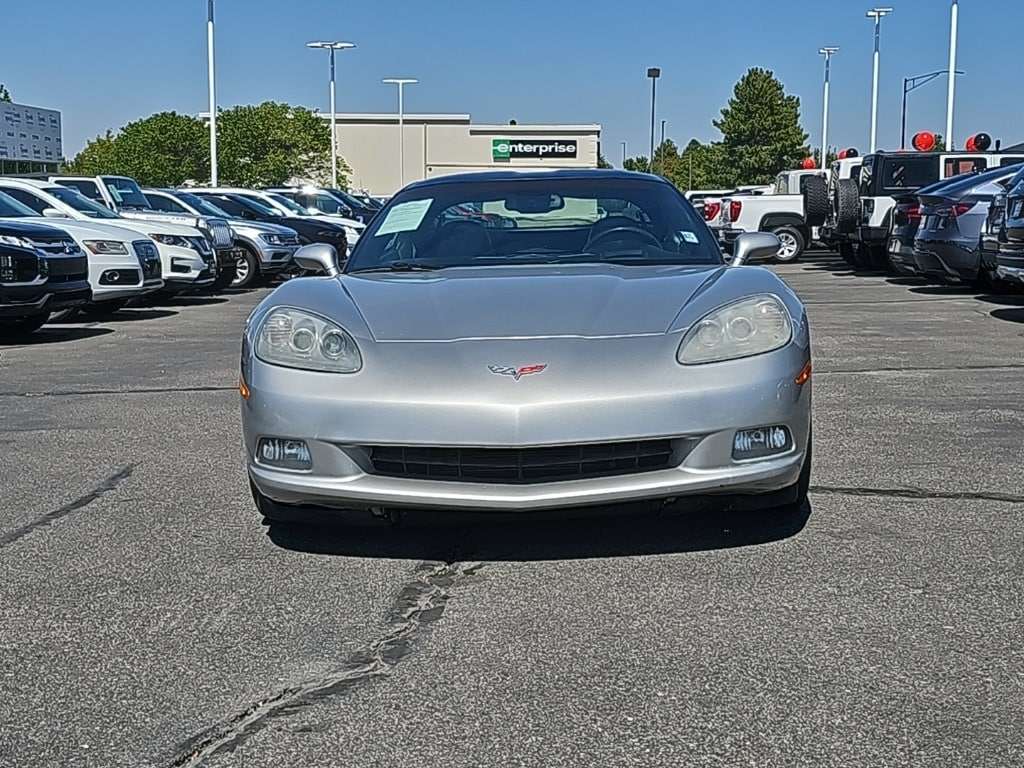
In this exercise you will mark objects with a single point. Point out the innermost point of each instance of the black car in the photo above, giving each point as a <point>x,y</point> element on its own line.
<point>1010,259</point>
<point>906,218</point>
<point>310,230</point>
<point>42,270</point>
<point>333,202</point>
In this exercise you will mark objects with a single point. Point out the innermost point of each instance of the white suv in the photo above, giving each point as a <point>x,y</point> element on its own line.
<point>187,260</point>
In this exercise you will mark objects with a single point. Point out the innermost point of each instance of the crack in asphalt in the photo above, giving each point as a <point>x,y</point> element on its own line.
<point>44,520</point>
<point>918,493</point>
<point>140,391</point>
<point>419,603</point>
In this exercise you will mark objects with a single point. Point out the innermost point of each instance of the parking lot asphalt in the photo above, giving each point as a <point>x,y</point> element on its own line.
<point>149,618</point>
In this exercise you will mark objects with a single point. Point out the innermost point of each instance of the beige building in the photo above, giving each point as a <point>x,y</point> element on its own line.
<point>436,145</point>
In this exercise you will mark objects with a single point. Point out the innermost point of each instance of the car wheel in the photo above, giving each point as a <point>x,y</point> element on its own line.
<point>816,204</point>
<point>847,205</point>
<point>792,241</point>
<point>247,269</point>
<point>17,328</point>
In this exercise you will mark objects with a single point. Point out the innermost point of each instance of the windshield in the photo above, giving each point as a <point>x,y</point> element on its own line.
<point>13,209</point>
<point>255,204</point>
<point>346,198</point>
<point>126,192</point>
<point>536,221</point>
<point>204,207</point>
<point>75,199</point>
<point>288,203</point>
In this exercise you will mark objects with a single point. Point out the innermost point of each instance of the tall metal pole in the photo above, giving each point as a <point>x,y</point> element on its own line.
<point>827,53</point>
<point>903,115</point>
<point>954,13</point>
<point>401,82</point>
<point>653,73</point>
<point>331,48</point>
<point>876,14</point>
<point>661,162</point>
<point>623,153</point>
<point>334,129</point>
<point>213,93</point>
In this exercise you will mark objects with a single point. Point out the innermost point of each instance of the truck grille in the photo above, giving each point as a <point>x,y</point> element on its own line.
<point>292,239</point>
<point>220,234</point>
<point>521,465</point>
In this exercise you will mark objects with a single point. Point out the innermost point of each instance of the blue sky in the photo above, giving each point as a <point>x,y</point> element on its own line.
<point>106,62</point>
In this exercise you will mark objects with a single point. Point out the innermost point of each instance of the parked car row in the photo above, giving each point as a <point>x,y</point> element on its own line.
<point>72,245</point>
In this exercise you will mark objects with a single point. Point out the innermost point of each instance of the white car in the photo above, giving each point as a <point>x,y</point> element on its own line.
<point>286,207</point>
<point>123,265</point>
<point>186,258</point>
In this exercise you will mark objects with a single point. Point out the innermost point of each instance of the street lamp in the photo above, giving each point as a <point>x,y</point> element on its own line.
<point>954,13</point>
<point>661,164</point>
<point>876,14</point>
<point>654,73</point>
<point>213,93</point>
<point>331,47</point>
<point>401,82</point>
<point>827,52</point>
<point>911,84</point>
<point>623,153</point>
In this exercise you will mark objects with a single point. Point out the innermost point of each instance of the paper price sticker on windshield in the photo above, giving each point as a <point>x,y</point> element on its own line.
<point>689,237</point>
<point>405,217</point>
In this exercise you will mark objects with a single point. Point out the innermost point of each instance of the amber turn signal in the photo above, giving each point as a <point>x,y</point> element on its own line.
<point>804,376</point>
<point>243,388</point>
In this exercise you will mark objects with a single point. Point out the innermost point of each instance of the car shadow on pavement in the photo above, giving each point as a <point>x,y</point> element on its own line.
<point>53,334</point>
<point>132,314</point>
<point>1015,315</point>
<point>541,536</point>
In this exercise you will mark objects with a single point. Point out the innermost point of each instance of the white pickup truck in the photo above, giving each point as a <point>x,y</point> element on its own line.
<point>781,210</point>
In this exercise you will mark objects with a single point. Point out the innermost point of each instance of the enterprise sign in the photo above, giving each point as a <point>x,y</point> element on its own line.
<point>506,149</point>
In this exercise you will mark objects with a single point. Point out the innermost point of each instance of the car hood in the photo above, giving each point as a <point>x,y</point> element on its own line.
<point>87,230</point>
<point>525,302</point>
<point>257,227</point>
<point>146,226</point>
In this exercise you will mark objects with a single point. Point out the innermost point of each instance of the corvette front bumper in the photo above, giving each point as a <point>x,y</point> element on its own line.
<point>699,409</point>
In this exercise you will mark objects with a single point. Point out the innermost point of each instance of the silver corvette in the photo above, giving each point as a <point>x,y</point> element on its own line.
<point>522,341</point>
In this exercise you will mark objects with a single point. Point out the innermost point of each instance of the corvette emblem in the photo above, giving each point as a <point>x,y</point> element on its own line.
<point>516,373</point>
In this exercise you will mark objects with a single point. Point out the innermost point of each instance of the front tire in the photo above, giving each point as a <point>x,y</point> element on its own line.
<point>793,243</point>
<point>247,269</point>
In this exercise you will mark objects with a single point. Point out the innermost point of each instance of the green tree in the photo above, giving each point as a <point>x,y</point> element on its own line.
<point>602,162</point>
<point>761,133</point>
<point>99,156</point>
<point>640,164</point>
<point>5,95</point>
<point>164,150</point>
<point>269,144</point>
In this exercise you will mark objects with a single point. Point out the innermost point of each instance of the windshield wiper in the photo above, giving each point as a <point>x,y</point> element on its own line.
<point>400,266</point>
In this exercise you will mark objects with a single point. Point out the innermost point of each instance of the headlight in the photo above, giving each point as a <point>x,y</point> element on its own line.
<point>178,240</point>
<point>21,242</point>
<point>112,247</point>
<point>752,326</point>
<point>297,339</point>
<point>273,239</point>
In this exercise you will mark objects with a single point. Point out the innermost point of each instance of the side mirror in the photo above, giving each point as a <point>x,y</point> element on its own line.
<point>318,257</point>
<point>753,246</point>
<point>53,213</point>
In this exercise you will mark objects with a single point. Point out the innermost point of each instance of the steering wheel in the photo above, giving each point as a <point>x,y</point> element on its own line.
<point>624,228</point>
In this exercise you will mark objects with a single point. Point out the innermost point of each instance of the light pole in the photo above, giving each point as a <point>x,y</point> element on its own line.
<point>911,84</point>
<point>661,163</point>
<point>654,73</point>
<point>954,13</point>
<point>401,82</point>
<point>623,153</point>
<point>331,47</point>
<point>827,52</point>
<point>213,93</point>
<point>877,14</point>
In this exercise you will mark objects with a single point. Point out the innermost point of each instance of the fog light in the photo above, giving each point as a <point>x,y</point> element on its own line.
<point>763,441</point>
<point>283,453</point>
<point>181,265</point>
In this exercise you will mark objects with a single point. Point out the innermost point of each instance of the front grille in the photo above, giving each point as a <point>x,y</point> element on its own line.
<point>66,268</point>
<point>289,239</point>
<point>220,234</point>
<point>149,258</point>
<point>56,245</point>
<point>521,465</point>
<point>18,265</point>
